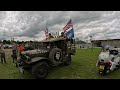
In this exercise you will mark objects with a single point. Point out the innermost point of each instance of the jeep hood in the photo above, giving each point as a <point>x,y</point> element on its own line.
<point>36,52</point>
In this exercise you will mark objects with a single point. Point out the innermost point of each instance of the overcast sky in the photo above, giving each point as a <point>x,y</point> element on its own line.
<point>30,25</point>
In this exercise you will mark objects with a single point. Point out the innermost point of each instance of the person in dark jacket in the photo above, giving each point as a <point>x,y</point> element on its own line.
<point>14,53</point>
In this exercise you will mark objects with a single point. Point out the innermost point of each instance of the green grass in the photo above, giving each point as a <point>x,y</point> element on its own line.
<point>9,71</point>
<point>83,67</point>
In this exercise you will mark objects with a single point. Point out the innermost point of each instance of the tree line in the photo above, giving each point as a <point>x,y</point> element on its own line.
<point>11,42</point>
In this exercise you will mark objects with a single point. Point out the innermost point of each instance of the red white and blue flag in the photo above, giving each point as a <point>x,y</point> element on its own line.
<point>47,33</point>
<point>68,30</point>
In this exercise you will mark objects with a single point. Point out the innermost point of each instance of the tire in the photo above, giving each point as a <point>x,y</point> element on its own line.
<point>68,60</point>
<point>40,70</point>
<point>55,56</point>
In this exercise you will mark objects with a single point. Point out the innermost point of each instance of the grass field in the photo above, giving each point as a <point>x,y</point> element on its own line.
<point>83,67</point>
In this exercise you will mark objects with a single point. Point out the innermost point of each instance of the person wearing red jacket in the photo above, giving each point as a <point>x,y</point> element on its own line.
<point>21,48</point>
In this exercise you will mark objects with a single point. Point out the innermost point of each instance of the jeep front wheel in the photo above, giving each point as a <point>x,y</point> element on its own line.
<point>40,70</point>
<point>68,60</point>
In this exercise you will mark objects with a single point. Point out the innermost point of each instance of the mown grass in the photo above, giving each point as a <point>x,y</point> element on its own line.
<point>9,71</point>
<point>83,67</point>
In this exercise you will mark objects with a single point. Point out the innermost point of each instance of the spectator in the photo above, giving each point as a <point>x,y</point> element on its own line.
<point>21,48</point>
<point>2,54</point>
<point>14,52</point>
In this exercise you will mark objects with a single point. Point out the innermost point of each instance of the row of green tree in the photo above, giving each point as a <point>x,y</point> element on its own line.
<point>18,42</point>
<point>77,40</point>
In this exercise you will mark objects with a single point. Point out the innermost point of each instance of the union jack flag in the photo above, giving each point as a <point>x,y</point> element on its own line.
<point>68,29</point>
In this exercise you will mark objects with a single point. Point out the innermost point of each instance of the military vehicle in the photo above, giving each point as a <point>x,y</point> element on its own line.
<point>51,52</point>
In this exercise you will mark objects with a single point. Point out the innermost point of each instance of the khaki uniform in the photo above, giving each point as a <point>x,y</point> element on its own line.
<point>2,54</point>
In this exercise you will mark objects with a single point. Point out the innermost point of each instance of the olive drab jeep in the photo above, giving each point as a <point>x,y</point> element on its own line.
<point>51,52</point>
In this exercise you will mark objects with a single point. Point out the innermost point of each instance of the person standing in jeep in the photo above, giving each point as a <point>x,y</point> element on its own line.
<point>62,35</point>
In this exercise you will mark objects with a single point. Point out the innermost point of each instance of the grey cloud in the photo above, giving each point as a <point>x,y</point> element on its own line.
<point>85,23</point>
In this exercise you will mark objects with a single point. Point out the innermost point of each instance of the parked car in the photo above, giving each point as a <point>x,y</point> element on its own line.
<point>10,46</point>
<point>6,46</point>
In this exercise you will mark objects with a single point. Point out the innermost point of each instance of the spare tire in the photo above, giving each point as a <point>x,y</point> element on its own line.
<point>55,56</point>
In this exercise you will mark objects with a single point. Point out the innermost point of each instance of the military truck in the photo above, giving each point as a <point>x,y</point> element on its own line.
<point>51,52</point>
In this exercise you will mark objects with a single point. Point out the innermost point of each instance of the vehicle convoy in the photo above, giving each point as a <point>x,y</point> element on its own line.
<point>52,52</point>
<point>108,61</point>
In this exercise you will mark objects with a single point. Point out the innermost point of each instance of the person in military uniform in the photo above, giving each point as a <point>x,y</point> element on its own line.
<point>2,54</point>
<point>62,35</point>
